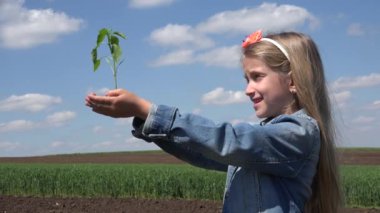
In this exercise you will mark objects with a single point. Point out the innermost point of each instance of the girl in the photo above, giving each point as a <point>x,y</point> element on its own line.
<point>284,164</point>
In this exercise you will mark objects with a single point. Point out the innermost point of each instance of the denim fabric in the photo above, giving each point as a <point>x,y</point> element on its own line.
<point>270,166</point>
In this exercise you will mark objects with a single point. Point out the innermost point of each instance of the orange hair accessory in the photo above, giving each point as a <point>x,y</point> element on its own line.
<point>253,38</point>
<point>257,37</point>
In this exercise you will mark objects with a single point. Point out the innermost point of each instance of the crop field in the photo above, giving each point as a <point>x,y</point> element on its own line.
<point>361,185</point>
<point>115,180</point>
<point>159,185</point>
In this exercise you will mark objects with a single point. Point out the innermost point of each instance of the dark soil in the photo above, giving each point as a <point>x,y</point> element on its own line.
<point>9,204</point>
<point>359,157</point>
<point>116,157</point>
<point>347,157</point>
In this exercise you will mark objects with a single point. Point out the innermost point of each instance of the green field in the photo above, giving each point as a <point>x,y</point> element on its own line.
<point>361,183</point>
<point>115,180</point>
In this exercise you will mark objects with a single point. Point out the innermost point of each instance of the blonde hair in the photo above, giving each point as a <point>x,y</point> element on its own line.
<point>307,74</point>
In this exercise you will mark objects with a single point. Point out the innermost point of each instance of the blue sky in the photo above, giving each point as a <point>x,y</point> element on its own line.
<point>180,53</point>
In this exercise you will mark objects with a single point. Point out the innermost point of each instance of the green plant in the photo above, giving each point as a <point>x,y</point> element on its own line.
<point>111,180</point>
<point>361,184</point>
<point>114,47</point>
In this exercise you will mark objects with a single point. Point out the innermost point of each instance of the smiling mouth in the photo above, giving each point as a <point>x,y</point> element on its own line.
<point>257,100</point>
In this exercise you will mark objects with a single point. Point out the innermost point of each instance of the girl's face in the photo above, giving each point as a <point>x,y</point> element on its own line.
<point>268,90</point>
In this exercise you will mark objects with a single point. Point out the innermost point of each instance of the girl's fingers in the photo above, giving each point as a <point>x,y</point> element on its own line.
<point>105,110</point>
<point>115,92</point>
<point>100,110</point>
<point>100,100</point>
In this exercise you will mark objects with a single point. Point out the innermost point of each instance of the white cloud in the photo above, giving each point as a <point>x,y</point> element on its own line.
<point>102,91</point>
<point>197,111</point>
<point>124,121</point>
<point>253,119</point>
<point>149,3</point>
<point>268,16</point>
<point>57,144</point>
<point>180,36</point>
<point>104,144</point>
<point>341,98</point>
<point>59,118</point>
<point>130,144</point>
<point>21,27</point>
<point>97,129</point>
<point>223,57</point>
<point>355,29</point>
<point>134,144</point>
<point>17,125</point>
<point>222,97</point>
<point>363,120</point>
<point>31,102</point>
<point>56,119</point>
<point>9,146</point>
<point>98,91</point>
<point>372,79</point>
<point>175,57</point>
<point>375,105</point>
<point>227,57</point>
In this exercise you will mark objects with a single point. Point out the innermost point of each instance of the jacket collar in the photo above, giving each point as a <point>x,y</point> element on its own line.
<point>299,113</point>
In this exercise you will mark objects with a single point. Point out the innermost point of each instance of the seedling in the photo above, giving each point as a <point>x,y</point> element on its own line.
<point>113,44</point>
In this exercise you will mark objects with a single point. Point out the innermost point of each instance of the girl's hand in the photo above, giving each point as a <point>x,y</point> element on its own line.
<point>119,103</point>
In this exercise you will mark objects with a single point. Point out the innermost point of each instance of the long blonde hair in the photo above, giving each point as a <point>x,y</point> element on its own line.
<point>307,74</point>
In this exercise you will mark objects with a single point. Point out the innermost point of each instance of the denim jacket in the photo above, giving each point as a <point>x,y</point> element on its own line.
<point>270,166</point>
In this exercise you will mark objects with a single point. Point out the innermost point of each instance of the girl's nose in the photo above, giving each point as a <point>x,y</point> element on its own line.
<point>249,90</point>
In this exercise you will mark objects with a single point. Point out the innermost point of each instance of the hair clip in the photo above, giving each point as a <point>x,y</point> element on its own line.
<point>253,38</point>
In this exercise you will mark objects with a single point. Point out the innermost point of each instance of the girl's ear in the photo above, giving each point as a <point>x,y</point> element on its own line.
<point>292,87</point>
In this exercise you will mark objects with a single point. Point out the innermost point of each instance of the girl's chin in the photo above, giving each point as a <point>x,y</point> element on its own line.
<point>260,115</point>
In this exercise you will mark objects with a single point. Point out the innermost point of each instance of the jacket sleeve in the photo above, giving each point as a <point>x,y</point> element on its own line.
<point>179,151</point>
<point>281,147</point>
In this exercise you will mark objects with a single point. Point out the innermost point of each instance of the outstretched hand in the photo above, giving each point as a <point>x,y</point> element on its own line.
<point>119,103</point>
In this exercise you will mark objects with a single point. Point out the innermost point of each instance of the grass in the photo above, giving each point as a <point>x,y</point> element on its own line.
<point>114,180</point>
<point>361,184</point>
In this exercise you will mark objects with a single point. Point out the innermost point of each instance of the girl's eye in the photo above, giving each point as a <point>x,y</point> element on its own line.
<point>257,77</point>
<point>246,79</point>
<point>253,77</point>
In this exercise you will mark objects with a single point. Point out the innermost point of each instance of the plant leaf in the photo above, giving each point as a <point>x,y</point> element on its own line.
<point>96,65</point>
<point>94,55</point>
<point>102,34</point>
<point>114,40</point>
<point>121,35</point>
<point>116,53</point>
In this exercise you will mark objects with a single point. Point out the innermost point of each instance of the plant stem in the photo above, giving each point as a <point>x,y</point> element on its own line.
<point>115,78</point>
<point>115,74</point>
